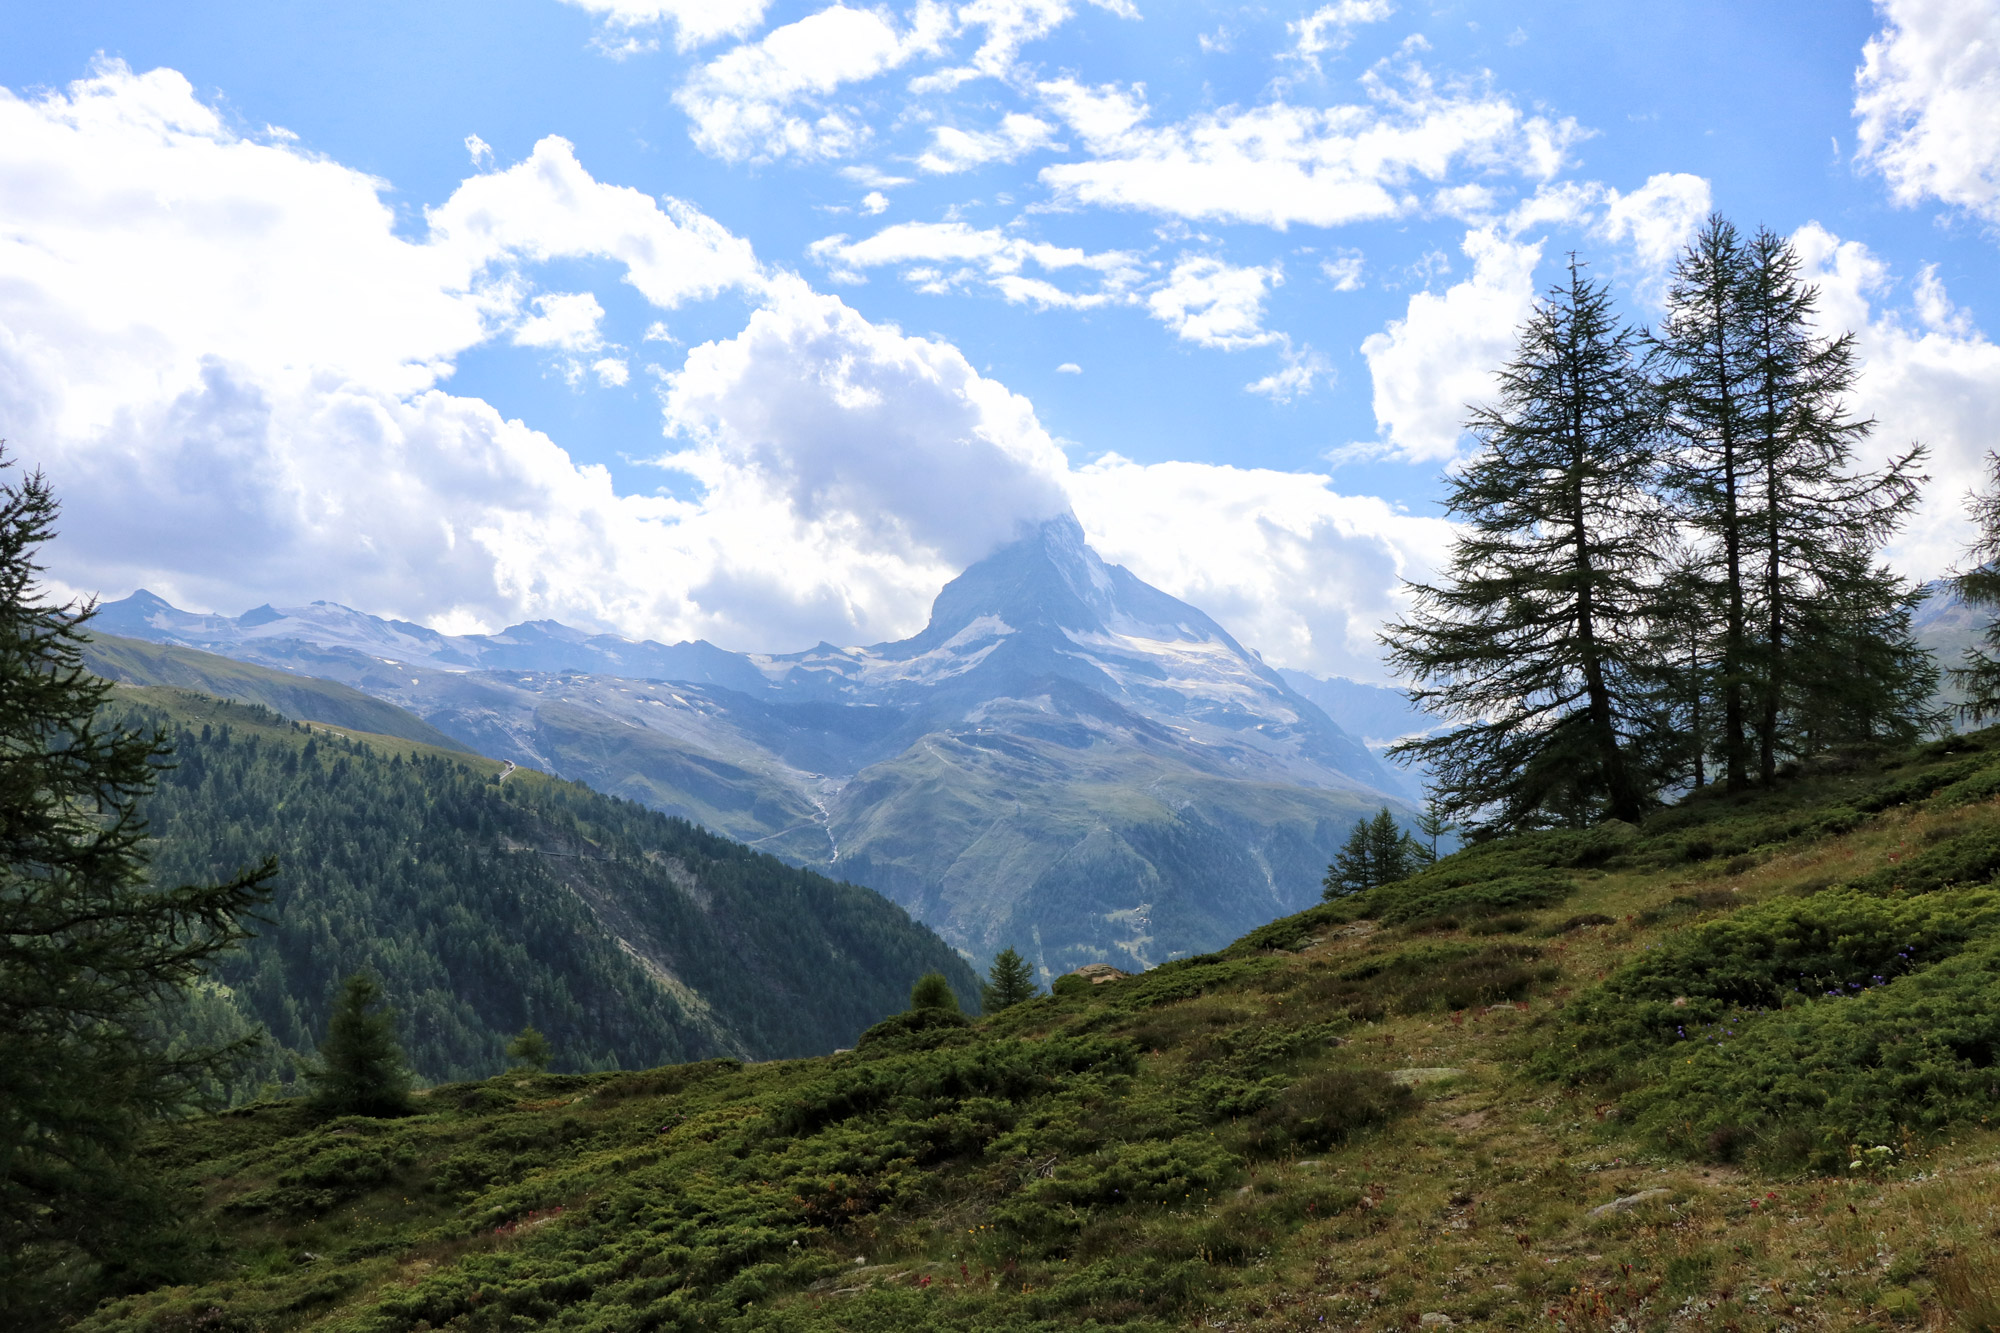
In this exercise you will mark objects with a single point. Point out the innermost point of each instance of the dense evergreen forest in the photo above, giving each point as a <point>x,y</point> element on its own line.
<point>485,905</point>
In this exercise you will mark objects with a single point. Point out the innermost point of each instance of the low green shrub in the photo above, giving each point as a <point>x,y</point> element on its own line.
<point>1425,899</point>
<point>1968,857</point>
<point>1923,784</point>
<point>913,1029</point>
<point>1787,951</point>
<point>1327,1108</point>
<point>1801,1087</point>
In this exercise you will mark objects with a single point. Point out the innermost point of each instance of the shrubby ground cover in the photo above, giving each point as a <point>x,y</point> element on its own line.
<point>1736,1071</point>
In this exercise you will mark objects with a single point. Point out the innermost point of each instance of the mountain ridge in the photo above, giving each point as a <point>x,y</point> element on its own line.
<point>1101,772</point>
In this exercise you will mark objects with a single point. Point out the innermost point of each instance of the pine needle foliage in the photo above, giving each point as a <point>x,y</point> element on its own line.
<point>1532,641</point>
<point>1813,646</point>
<point>1977,584</point>
<point>90,952</point>
<point>1010,981</point>
<point>932,991</point>
<point>1377,852</point>
<point>1706,386</point>
<point>530,1050</point>
<point>361,1069</point>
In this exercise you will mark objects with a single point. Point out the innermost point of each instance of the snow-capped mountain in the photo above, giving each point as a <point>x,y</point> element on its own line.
<point>1066,759</point>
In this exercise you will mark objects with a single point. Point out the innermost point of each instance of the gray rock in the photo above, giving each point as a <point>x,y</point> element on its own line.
<point>1629,1201</point>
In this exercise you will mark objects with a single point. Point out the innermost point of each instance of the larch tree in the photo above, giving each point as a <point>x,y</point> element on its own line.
<point>1533,640</point>
<point>1706,377</point>
<point>1977,583</point>
<point>91,953</point>
<point>1684,620</point>
<point>1833,658</point>
<point>933,991</point>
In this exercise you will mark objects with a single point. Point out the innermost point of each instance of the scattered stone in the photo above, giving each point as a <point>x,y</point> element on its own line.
<point>1629,1201</point>
<point>1099,973</point>
<point>1434,1320</point>
<point>1410,1078</point>
<point>1310,1164</point>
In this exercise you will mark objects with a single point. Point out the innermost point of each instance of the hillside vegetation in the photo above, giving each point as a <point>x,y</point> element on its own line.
<point>1732,1069</point>
<point>486,900</point>
<point>136,662</point>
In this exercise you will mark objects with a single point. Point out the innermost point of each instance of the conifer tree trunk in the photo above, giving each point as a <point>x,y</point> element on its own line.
<point>1703,345</point>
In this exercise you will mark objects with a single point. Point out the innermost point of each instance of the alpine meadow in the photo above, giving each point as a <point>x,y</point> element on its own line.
<point>1000,666</point>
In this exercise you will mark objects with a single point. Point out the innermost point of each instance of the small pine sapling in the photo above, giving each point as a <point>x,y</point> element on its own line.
<point>1010,981</point>
<point>361,1069</point>
<point>932,991</point>
<point>530,1050</point>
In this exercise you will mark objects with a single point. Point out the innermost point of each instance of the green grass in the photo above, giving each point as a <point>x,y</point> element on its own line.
<point>1768,1024</point>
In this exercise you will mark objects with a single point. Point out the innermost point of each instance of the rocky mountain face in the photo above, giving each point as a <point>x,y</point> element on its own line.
<point>1066,760</point>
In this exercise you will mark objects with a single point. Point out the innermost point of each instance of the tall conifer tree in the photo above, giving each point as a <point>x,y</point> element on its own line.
<point>1977,584</point>
<point>1821,598</point>
<point>1534,639</point>
<point>1707,387</point>
<point>89,952</point>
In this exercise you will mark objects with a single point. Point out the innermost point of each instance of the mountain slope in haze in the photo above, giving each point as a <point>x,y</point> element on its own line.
<point>136,662</point>
<point>486,901</point>
<point>1066,760</point>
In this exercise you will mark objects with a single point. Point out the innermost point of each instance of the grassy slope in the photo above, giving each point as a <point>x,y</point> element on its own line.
<point>135,662</point>
<point>1353,1118</point>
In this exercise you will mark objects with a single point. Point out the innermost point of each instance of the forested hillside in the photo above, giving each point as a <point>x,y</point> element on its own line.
<point>487,900</point>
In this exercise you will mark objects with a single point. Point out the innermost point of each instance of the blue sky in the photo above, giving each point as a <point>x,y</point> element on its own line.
<point>1219,277</point>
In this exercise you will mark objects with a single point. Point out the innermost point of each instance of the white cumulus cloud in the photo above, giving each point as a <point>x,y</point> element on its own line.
<point>1279,164</point>
<point>1302,369</point>
<point>953,149</point>
<point>1008,26</point>
<point>1331,27</point>
<point>769,98</point>
<point>1927,99</point>
<point>1659,217</point>
<point>1291,566</point>
<point>890,443</point>
<point>1928,375</point>
<point>694,21</point>
<point>548,207</point>
<point>567,320</point>
<point>234,367</point>
<point>1216,304</point>
<point>1441,355</point>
